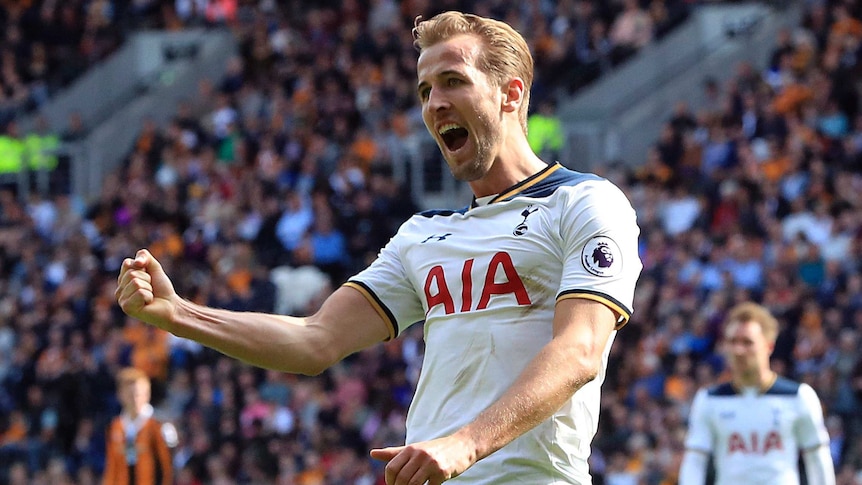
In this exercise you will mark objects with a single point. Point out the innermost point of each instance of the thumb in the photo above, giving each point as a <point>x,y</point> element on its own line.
<point>144,259</point>
<point>162,286</point>
<point>386,454</point>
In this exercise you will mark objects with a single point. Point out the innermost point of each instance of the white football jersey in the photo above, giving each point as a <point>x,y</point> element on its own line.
<point>754,437</point>
<point>485,280</point>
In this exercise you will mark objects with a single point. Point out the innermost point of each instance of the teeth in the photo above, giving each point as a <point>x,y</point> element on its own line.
<point>448,127</point>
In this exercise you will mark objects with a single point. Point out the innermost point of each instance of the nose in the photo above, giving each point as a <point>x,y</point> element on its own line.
<point>737,348</point>
<point>437,100</point>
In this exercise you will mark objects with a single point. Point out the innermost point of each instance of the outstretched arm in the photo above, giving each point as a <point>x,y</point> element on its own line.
<point>570,360</point>
<point>345,323</point>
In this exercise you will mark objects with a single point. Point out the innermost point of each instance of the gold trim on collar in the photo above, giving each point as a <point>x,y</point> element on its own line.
<point>542,175</point>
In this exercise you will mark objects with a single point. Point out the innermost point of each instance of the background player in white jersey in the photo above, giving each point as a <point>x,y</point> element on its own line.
<point>756,425</point>
<point>521,292</point>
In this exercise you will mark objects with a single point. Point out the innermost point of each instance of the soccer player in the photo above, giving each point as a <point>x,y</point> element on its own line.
<point>755,425</point>
<point>137,450</point>
<point>521,292</point>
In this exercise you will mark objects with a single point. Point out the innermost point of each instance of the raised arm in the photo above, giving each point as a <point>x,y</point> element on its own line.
<point>571,359</point>
<point>346,322</point>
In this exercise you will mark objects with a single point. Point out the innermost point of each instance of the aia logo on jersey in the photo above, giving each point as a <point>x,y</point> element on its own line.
<point>601,257</point>
<point>522,228</point>
<point>500,279</point>
<point>754,443</point>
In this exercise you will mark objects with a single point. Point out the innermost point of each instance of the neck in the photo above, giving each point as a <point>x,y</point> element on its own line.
<point>761,379</point>
<point>135,412</point>
<point>514,163</point>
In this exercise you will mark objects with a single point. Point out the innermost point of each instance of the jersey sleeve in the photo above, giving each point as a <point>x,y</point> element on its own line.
<point>386,286</point>
<point>599,234</point>
<point>810,428</point>
<point>699,436</point>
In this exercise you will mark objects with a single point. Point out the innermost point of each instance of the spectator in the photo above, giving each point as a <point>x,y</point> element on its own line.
<point>137,447</point>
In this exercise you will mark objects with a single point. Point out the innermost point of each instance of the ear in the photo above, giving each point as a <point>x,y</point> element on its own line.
<point>513,94</point>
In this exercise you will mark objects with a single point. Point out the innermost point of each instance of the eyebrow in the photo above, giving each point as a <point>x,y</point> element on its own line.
<point>448,72</point>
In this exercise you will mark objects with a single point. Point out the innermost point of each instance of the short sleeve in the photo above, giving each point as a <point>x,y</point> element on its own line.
<point>386,286</point>
<point>599,234</point>
<point>810,428</point>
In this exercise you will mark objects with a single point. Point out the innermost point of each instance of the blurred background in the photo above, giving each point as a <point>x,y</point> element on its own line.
<point>265,150</point>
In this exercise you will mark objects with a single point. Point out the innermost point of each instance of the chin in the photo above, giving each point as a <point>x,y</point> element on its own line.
<point>470,170</point>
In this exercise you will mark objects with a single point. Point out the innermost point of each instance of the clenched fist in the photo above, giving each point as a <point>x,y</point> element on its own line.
<point>145,292</point>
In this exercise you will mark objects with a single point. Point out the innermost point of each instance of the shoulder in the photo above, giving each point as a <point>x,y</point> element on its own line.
<point>556,179</point>
<point>724,389</point>
<point>565,181</point>
<point>436,213</point>
<point>786,387</point>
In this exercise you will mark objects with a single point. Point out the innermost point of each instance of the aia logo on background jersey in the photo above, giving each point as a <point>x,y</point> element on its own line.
<point>601,257</point>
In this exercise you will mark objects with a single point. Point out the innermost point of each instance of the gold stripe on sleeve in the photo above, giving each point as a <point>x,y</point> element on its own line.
<point>622,312</point>
<point>378,307</point>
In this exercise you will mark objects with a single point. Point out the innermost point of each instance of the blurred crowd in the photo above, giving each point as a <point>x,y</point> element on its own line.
<point>46,44</point>
<point>269,189</point>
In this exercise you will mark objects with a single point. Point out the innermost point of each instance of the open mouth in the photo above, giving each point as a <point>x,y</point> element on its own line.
<point>454,137</point>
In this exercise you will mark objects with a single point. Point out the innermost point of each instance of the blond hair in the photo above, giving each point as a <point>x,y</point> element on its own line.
<point>505,55</point>
<point>752,312</point>
<point>130,375</point>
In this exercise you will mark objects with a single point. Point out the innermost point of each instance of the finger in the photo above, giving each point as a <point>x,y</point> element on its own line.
<point>135,297</point>
<point>143,257</point>
<point>147,261</point>
<point>412,472</point>
<point>135,284</point>
<point>135,278</point>
<point>386,454</point>
<point>393,468</point>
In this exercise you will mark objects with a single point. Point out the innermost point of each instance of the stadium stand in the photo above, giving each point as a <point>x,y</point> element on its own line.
<point>284,176</point>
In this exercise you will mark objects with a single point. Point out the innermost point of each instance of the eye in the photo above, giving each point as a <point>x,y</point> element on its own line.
<point>453,81</point>
<point>424,93</point>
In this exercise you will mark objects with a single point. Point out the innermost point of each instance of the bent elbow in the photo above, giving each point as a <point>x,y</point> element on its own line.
<point>587,369</point>
<point>318,362</point>
<point>587,375</point>
<point>321,357</point>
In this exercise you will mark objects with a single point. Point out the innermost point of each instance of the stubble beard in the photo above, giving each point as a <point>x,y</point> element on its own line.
<point>480,164</point>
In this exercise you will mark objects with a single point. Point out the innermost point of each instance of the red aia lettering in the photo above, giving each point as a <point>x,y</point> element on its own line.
<point>436,278</point>
<point>772,442</point>
<point>512,285</point>
<point>737,443</point>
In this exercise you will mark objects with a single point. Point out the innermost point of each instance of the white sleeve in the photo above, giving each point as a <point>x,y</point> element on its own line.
<point>599,237</point>
<point>819,468</point>
<point>693,468</point>
<point>699,436</point>
<point>388,288</point>
<point>810,428</point>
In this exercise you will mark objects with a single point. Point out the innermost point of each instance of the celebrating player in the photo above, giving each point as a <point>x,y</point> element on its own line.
<point>521,292</point>
<point>755,425</point>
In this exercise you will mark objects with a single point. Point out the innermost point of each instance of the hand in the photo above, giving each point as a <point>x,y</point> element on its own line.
<point>144,291</point>
<point>431,462</point>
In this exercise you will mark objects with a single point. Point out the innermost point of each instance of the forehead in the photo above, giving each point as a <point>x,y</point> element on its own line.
<point>458,53</point>
<point>748,329</point>
<point>134,384</point>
